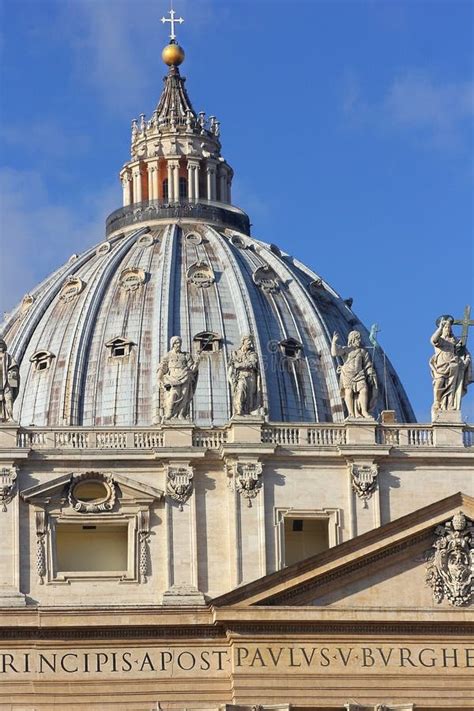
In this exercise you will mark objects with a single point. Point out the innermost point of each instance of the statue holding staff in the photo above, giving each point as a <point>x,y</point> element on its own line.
<point>450,367</point>
<point>357,377</point>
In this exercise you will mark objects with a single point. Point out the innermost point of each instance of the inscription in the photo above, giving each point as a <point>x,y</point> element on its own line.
<point>196,661</point>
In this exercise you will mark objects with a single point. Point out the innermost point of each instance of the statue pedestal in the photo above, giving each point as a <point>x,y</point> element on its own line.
<point>178,433</point>
<point>448,417</point>
<point>183,594</point>
<point>448,428</point>
<point>360,430</point>
<point>246,429</point>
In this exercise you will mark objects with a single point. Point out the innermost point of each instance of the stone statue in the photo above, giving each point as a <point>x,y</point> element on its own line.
<point>177,375</point>
<point>244,378</point>
<point>9,383</point>
<point>450,367</point>
<point>357,377</point>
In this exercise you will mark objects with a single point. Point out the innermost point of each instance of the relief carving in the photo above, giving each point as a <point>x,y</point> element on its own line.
<point>8,477</point>
<point>92,492</point>
<point>71,288</point>
<point>246,478</point>
<point>357,377</point>
<point>41,530</point>
<point>364,480</point>
<point>450,571</point>
<point>132,278</point>
<point>179,484</point>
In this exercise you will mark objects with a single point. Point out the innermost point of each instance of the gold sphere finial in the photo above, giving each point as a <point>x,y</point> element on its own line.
<point>173,54</point>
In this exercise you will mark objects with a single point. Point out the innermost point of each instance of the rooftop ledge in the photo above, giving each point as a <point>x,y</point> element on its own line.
<point>203,210</point>
<point>239,437</point>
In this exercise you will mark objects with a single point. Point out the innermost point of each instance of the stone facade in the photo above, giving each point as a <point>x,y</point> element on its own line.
<point>205,503</point>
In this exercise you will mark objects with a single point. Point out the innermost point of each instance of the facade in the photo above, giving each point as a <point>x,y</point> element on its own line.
<point>209,500</point>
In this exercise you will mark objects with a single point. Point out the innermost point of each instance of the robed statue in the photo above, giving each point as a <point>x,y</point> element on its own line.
<point>9,383</point>
<point>244,379</point>
<point>451,367</point>
<point>357,377</point>
<point>177,376</point>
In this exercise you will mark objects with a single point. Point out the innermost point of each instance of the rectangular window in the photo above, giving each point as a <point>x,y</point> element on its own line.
<point>305,537</point>
<point>91,548</point>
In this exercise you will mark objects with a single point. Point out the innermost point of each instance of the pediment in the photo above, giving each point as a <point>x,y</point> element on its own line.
<point>58,488</point>
<point>386,568</point>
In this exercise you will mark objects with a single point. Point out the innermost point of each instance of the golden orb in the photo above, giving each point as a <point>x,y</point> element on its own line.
<point>173,55</point>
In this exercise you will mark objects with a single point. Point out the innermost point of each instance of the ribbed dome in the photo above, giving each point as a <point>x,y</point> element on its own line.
<point>101,324</point>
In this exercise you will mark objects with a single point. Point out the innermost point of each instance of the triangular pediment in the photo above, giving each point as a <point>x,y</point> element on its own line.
<point>382,569</point>
<point>58,488</point>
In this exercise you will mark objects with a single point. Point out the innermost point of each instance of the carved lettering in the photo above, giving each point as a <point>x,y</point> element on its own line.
<point>405,656</point>
<point>421,657</point>
<point>367,657</point>
<point>447,656</point>
<point>146,660</point>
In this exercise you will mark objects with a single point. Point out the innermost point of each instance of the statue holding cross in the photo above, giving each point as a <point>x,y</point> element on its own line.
<point>451,365</point>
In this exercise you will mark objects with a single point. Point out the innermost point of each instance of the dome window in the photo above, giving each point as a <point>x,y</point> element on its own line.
<point>267,279</point>
<point>201,275</point>
<point>42,360</point>
<point>165,189</point>
<point>208,342</point>
<point>131,278</point>
<point>71,288</point>
<point>237,242</point>
<point>291,348</point>
<point>119,347</point>
<point>26,303</point>
<point>275,250</point>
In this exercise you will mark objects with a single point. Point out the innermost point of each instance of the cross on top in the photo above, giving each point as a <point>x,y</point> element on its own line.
<point>465,322</point>
<point>172,22</point>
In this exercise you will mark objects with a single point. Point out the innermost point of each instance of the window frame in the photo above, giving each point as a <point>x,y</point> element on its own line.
<point>332,516</point>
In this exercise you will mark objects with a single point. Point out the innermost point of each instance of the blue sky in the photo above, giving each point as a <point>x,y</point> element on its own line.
<point>348,125</point>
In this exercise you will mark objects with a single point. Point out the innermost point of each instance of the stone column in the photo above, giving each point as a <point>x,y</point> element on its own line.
<point>126,180</point>
<point>181,524</point>
<point>193,179</point>
<point>153,190</point>
<point>246,520</point>
<point>10,595</point>
<point>211,179</point>
<point>137,183</point>
<point>170,181</point>
<point>174,166</point>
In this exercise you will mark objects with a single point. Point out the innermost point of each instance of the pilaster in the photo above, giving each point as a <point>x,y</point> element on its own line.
<point>10,595</point>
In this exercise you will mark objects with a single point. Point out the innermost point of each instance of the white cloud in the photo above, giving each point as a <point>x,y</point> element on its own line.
<point>39,235</point>
<point>436,112</point>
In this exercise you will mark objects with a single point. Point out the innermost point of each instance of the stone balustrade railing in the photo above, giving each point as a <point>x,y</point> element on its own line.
<point>347,433</point>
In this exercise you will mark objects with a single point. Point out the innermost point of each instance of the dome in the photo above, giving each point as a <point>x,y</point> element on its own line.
<point>178,260</point>
<point>100,325</point>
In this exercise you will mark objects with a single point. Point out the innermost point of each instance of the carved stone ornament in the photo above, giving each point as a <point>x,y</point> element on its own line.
<point>179,483</point>
<point>41,530</point>
<point>450,571</point>
<point>146,240</point>
<point>364,480</point>
<point>92,492</point>
<point>103,249</point>
<point>8,477</point>
<point>144,542</point>
<point>246,478</point>
<point>71,288</point>
<point>26,303</point>
<point>201,275</point>
<point>267,279</point>
<point>193,238</point>
<point>132,278</point>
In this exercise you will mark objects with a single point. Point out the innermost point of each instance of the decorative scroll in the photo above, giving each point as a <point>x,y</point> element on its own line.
<point>364,480</point>
<point>246,478</point>
<point>179,484</point>
<point>450,571</point>
<point>8,477</point>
